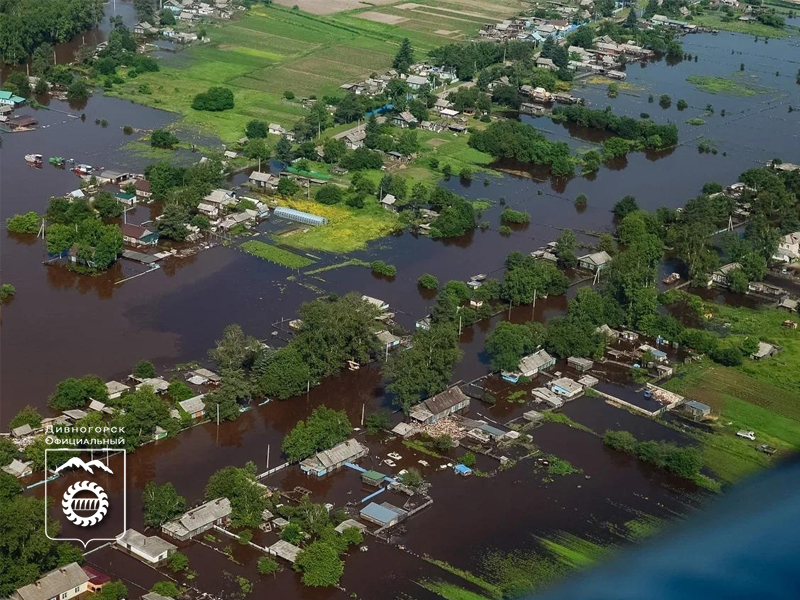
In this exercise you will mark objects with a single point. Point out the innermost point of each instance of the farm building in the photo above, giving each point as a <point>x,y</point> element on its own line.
<point>580,364</point>
<point>531,366</point>
<point>695,409</point>
<point>384,514</point>
<point>64,583</point>
<point>149,549</point>
<point>595,261</point>
<point>326,461</point>
<point>199,520</point>
<point>299,216</point>
<point>566,387</point>
<point>112,177</point>
<point>442,405</point>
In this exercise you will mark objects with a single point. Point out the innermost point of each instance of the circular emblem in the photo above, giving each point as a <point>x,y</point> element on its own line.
<point>94,506</point>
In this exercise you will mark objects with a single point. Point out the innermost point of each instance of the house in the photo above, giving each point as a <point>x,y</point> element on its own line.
<point>18,468</point>
<point>64,583</point>
<point>100,407</point>
<point>376,302</point>
<point>384,514</point>
<point>546,63</point>
<point>414,82</point>
<point>205,376</point>
<point>788,304</point>
<point>542,394</point>
<point>22,431</point>
<point>263,180</point>
<point>658,355</point>
<point>388,202</point>
<point>349,524</point>
<point>720,276</point>
<point>9,99</point>
<point>142,189</point>
<point>594,262</point>
<point>76,414</point>
<point>404,119</point>
<point>209,210</point>
<point>327,461</point>
<point>194,407</point>
<point>137,235</point>
<point>765,350</point>
<point>158,384</point>
<point>788,248</point>
<point>115,389</point>
<point>448,113</point>
<point>112,177</point>
<point>285,550</point>
<point>404,430</point>
<point>696,410</point>
<point>373,478</point>
<point>566,387</point>
<point>221,198</point>
<point>580,364</point>
<point>449,402</point>
<point>531,366</point>
<point>199,520</point>
<point>97,579</point>
<point>388,339</point>
<point>276,129</point>
<point>151,550</point>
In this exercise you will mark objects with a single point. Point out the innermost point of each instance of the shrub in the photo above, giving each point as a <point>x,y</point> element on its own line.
<point>27,223</point>
<point>428,281</point>
<point>7,291</point>
<point>468,459</point>
<point>217,98</point>
<point>144,369</point>
<point>509,215</point>
<point>381,268</point>
<point>289,95</point>
<point>161,138</point>
<point>581,200</point>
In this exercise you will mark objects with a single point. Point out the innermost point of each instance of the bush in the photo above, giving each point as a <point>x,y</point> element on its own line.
<point>329,194</point>
<point>381,268</point>
<point>166,588</point>
<point>377,422</point>
<point>289,95</point>
<point>620,440</point>
<point>27,223</point>
<point>256,129</point>
<point>683,461</point>
<point>428,282</point>
<point>581,200</point>
<point>288,186</point>
<point>161,138</point>
<point>292,533</point>
<point>729,357</point>
<point>510,215</point>
<point>7,291</point>
<point>268,566</point>
<point>178,562</point>
<point>215,99</point>
<point>144,369</point>
<point>505,230</point>
<point>468,459</point>
<point>442,443</point>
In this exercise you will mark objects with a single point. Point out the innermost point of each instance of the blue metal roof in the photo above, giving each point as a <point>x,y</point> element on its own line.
<point>463,469</point>
<point>378,513</point>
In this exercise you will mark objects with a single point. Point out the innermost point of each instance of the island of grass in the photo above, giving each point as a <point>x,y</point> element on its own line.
<point>275,254</point>
<point>736,85</point>
<point>715,21</point>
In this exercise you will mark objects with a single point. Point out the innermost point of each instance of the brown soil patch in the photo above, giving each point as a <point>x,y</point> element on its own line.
<point>407,6</point>
<point>330,7</point>
<point>381,17</point>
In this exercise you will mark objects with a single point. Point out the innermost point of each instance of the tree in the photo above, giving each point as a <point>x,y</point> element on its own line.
<point>172,224</point>
<point>468,460</point>
<point>27,416</point>
<point>268,566</point>
<point>179,391</point>
<point>376,422</point>
<point>166,17</point>
<point>322,430</point>
<point>625,206</point>
<point>223,404</point>
<point>8,451</point>
<point>17,83</point>
<point>166,588</point>
<point>334,150</point>
<point>329,194</point>
<point>78,91</point>
<point>238,485</point>
<point>178,562</point>
<point>76,393</point>
<point>256,129</point>
<point>7,291</point>
<point>412,478</point>
<point>161,138</point>
<point>565,248</point>
<point>404,57</point>
<point>631,20</point>
<point>216,99</point>
<point>106,205</point>
<point>379,267</point>
<point>144,369</point>
<point>620,440</point>
<point>283,149</point>
<point>508,343</point>
<point>288,186</point>
<point>161,503</point>
<point>320,565</point>
<point>283,374</point>
<point>235,350</point>
<point>29,222</point>
<point>428,282</point>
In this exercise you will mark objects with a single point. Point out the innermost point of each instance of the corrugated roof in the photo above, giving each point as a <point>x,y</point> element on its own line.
<point>381,513</point>
<point>446,400</point>
<point>151,546</point>
<point>534,362</point>
<point>55,583</point>
<point>347,450</point>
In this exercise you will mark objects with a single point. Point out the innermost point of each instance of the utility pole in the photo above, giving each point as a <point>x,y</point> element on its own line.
<point>363,406</point>
<point>217,414</point>
<point>533,308</point>
<point>267,457</point>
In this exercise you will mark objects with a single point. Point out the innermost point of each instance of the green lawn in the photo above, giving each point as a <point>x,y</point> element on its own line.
<point>714,21</point>
<point>275,254</point>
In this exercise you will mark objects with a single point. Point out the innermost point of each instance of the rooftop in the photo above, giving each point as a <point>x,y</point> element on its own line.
<point>151,546</point>
<point>55,583</point>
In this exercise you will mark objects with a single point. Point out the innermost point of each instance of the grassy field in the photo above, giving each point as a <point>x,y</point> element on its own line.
<point>714,21</point>
<point>348,229</point>
<point>762,396</point>
<point>735,85</point>
<point>275,254</point>
<point>270,50</point>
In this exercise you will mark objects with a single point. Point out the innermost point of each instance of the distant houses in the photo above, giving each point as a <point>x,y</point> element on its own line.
<point>328,461</point>
<point>199,520</point>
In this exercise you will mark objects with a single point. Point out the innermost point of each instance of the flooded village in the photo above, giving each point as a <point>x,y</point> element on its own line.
<point>407,406</point>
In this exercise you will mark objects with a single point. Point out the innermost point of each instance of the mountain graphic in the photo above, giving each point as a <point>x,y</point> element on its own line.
<point>77,462</point>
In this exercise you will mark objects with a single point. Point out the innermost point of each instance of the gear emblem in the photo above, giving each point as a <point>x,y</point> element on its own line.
<point>94,506</point>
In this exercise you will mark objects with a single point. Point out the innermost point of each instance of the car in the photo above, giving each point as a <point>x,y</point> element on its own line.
<point>748,435</point>
<point>766,449</point>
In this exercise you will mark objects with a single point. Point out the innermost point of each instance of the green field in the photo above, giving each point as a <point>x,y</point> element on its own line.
<point>714,21</point>
<point>270,50</point>
<point>735,85</point>
<point>276,255</point>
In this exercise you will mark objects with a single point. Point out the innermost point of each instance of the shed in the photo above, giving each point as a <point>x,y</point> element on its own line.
<point>587,381</point>
<point>299,216</point>
<point>285,550</point>
<point>97,579</point>
<point>18,468</point>
<point>765,350</point>
<point>194,406</point>
<point>531,366</point>
<point>22,431</point>
<point>696,410</point>
<point>372,477</point>
<point>149,549</point>
<point>158,384</point>
<point>580,364</point>
<point>388,339</point>
<point>384,514</point>
<point>566,387</point>
<point>534,416</point>
<point>76,414</point>
<point>404,430</point>
<point>349,524</point>
<point>115,389</point>
<point>388,202</point>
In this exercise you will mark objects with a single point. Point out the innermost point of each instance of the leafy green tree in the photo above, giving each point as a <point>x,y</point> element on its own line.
<point>428,282</point>
<point>17,83</point>
<point>238,485</point>
<point>144,369</point>
<point>162,138</point>
<point>29,222</point>
<point>26,416</point>
<point>284,374</point>
<point>216,99</point>
<point>320,565</point>
<point>620,440</point>
<point>78,91</point>
<point>166,588</point>
<point>565,248</point>
<point>625,206</point>
<point>334,150</point>
<point>178,562</point>
<point>113,590</point>
<point>567,336</point>
<point>283,149</point>
<point>179,391</point>
<point>76,393</point>
<point>322,430</point>
<point>161,503</point>
<point>329,194</point>
<point>508,343</point>
<point>172,224</point>
<point>107,206</point>
<point>144,410</point>
<point>404,57</point>
<point>288,186</point>
<point>377,422</point>
<point>268,566</point>
<point>527,277</point>
<point>292,533</point>
<point>256,129</point>
<point>8,451</point>
<point>235,350</point>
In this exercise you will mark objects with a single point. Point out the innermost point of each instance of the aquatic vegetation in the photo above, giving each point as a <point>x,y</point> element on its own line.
<point>275,254</point>
<point>736,85</point>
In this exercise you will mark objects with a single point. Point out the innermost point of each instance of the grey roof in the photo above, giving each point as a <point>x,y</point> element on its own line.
<point>203,515</point>
<point>18,468</point>
<point>22,430</point>
<point>55,583</point>
<point>157,383</point>
<point>285,550</point>
<point>259,176</point>
<point>446,400</point>
<point>207,373</point>
<point>347,450</point>
<point>698,405</point>
<point>151,546</point>
<point>348,523</point>
<point>387,337</point>
<point>96,405</point>
<point>596,258</point>
<point>115,387</point>
<point>193,405</point>
<point>568,384</point>
<point>154,596</point>
<point>76,413</point>
<point>582,362</point>
<point>533,362</point>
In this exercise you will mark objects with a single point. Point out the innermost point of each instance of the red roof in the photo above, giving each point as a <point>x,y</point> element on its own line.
<point>95,576</point>
<point>142,185</point>
<point>134,231</point>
